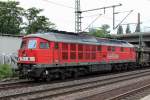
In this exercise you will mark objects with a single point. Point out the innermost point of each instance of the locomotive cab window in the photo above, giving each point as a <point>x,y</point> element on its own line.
<point>32,44</point>
<point>56,45</point>
<point>99,48</point>
<point>122,49</point>
<point>113,48</point>
<point>23,45</point>
<point>44,45</point>
<point>109,48</point>
<point>130,49</point>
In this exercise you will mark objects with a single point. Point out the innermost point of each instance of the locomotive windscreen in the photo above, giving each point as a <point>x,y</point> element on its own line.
<point>32,44</point>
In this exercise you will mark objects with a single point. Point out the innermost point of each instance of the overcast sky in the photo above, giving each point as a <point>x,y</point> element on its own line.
<point>61,12</point>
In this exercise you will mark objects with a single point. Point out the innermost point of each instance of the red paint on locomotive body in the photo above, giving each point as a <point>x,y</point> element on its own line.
<point>45,49</point>
<point>36,48</point>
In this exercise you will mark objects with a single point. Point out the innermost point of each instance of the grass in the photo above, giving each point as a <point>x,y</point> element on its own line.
<point>6,71</point>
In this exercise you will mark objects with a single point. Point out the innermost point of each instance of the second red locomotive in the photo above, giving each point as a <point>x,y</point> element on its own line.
<point>64,54</point>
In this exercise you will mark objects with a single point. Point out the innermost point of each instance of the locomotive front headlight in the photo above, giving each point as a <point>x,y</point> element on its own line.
<point>20,59</point>
<point>32,58</point>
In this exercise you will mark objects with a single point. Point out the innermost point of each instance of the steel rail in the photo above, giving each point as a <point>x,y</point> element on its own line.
<point>62,90</point>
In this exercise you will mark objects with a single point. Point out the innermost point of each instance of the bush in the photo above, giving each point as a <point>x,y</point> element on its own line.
<point>5,71</point>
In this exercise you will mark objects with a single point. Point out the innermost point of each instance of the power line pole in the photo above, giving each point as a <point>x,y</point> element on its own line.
<point>113,6</point>
<point>78,12</point>
<point>113,17</point>
<point>138,27</point>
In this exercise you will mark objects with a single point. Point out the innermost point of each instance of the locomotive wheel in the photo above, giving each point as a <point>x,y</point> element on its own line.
<point>48,78</point>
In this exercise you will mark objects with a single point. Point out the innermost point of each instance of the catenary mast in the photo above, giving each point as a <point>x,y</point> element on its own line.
<point>78,27</point>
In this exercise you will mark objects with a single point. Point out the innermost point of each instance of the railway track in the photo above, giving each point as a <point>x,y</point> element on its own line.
<point>14,84</point>
<point>129,93</point>
<point>56,90</point>
<point>122,93</point>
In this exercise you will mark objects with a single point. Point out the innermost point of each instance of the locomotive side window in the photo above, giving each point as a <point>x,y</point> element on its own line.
<point>87,52</point>
<point>109,48</point>
<point>73,47</point>
<point>80,51</point>
<point>72,51</point>
<point>44,45</point>
<point>65,51</point>
<point>99,48</point>
<point>32,44</point>
<point>113,48</point>
<point>80,47</point>
<point>64,46</point>
<point>23,44</point>
<point>87,47</point>
<point>93,52</point>
<point>56,45</point>
<point>122,49</point>
<point>93,48</point>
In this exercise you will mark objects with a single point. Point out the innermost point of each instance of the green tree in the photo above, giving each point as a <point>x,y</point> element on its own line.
<point>15,19</point>
<point>37,22</point>
<point>102,31</point>
<point>10,17</point>
<point>128,29</point>
<point>105,28</point>
<point>120,30</point>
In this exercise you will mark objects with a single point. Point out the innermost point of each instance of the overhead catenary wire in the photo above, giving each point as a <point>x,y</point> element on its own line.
<point>124,19</point>
<point>58,4</point>
<point>92,22</point>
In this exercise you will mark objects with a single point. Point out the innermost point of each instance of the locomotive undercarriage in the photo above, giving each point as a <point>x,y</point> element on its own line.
<point>48,73</point>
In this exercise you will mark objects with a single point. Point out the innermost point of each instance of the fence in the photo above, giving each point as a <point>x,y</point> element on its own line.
<point>10,59</point>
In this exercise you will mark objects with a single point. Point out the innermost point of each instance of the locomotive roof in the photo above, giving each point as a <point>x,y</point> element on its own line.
<point>80,38</point>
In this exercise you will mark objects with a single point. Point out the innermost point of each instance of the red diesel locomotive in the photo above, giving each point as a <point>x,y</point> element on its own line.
<point>64,54</point>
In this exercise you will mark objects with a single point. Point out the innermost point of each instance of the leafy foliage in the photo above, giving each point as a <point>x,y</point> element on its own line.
<point>36,22</point>
<point>15,19</point>
<point>102,31</point>
<point>5,71</point>
<point>10,19</point>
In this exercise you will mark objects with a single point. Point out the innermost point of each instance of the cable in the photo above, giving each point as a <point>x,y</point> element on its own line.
<point>58,4</point>
<point>91,15</point>
<point>92,22</point>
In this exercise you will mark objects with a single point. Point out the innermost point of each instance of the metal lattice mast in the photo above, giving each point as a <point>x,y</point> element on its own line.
<point>78,27</point>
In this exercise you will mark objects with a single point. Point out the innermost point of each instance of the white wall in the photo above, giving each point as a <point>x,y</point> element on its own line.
<point>9,45</point>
